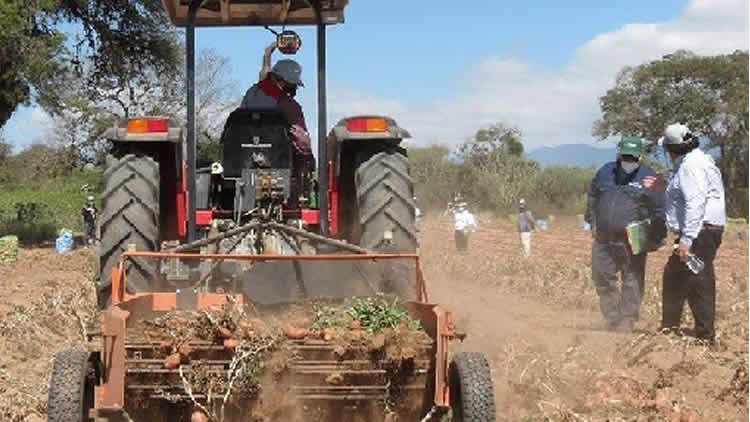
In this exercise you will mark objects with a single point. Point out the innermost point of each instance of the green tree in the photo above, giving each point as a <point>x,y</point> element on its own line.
<point>435,177</point>
<point>118,39</point>
<point>495,139</point>
<point>564,187</point>
<point>707,93</point>
<point>27,52</point>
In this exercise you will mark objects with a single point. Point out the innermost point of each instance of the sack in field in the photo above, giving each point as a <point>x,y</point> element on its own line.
<point>8,249</point>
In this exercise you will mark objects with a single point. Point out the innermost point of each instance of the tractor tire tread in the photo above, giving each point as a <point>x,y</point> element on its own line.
<point>67,386</point>
<point>130,215</point>
<point>385,201</point>
<point>471,371</point>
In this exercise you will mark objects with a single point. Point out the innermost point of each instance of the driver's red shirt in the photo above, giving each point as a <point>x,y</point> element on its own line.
<point>288,106</point>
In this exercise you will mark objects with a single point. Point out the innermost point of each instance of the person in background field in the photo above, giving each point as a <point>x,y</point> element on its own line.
<point>464,223</point>
<point>417,215</point>
<point>616,198</point>
<point>89,214</point>
<point>525,226</point>
<point>696,214</point>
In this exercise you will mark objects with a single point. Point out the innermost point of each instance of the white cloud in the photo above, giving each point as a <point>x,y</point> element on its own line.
<point>557,107</point>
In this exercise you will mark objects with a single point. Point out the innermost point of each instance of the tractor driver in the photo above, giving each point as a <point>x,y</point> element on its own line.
<point>277,90</point>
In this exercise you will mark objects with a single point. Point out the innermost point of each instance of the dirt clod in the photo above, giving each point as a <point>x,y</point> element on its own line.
<point>339,351</point>
<point>335,379</point>
<point>377,342</point>
<point>185,350</point>
<point>165,347</point>
<point>224,332</point>
<point>231,343</point>
<point>328,334</point>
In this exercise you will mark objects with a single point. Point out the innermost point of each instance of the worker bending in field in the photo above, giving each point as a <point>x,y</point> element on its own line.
<point>464,223</point>
<point>616,199</point>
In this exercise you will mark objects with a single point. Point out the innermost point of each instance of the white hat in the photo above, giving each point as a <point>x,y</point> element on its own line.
<point>90,198</point>
<point>522,202</point>
<point>216,168</point>
<point>675,134</point>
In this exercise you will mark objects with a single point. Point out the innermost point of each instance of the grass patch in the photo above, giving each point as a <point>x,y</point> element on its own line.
<point>36,213</point>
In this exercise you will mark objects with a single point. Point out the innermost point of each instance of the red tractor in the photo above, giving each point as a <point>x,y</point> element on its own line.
<point>146,194</point>
<point>256,227</point>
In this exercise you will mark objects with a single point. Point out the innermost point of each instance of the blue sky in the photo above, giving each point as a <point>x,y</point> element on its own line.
<point>443,72</point>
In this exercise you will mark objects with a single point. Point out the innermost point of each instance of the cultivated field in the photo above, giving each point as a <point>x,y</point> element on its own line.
<point>533,318</point>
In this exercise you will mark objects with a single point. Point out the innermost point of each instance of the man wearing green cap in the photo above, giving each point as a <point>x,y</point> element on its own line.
<point>616,198</point>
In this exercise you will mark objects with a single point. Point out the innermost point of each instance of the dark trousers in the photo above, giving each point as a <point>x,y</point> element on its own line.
<point>462,240</point>
<point>89,232</point>
<point>681,284</point>
<point>609,259</point>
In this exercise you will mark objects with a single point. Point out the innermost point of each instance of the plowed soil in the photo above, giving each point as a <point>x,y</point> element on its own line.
<point>535,319</point>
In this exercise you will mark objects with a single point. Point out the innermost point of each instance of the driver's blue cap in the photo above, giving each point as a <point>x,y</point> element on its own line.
<point>288,70</point>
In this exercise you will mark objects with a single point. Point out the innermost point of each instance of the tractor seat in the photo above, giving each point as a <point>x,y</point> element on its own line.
<point>255,139</point>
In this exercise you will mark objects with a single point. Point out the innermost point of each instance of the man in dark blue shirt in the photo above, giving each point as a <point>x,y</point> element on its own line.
<point>616,198</point>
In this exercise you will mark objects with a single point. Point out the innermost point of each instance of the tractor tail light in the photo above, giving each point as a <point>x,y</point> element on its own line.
<point>367,124</point>
<point>147,125</point>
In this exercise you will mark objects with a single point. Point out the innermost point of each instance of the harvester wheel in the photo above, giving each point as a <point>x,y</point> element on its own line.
<point>385,201</point>
<point>71,387</point>
<point>130,215</point>
<point>472,393</point>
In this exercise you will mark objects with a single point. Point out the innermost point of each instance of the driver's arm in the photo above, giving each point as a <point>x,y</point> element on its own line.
<point>266,69</point>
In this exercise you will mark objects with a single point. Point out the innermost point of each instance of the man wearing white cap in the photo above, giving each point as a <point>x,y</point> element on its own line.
<point>695,211</point>
<point>89,214</point>
<point>464,223</point>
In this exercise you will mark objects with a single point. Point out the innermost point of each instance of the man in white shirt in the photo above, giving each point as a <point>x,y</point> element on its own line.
<point>464,223</point>
<point>695,212</point>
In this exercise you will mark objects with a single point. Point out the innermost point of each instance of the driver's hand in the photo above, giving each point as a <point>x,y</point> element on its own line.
<point>301,138</point>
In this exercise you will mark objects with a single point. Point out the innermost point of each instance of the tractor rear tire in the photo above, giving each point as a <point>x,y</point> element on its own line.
<point>472,392</point>
<point>130,215</point>
<point>385,200</point>
<point>71,387</point>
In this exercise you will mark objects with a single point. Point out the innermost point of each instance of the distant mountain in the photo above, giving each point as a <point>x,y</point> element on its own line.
<point>581,155</point>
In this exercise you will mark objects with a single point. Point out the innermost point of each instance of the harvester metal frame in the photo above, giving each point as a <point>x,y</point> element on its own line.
<point>110,362</point>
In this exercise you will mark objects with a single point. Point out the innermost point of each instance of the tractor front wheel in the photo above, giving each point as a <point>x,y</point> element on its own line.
<point>71,387</point>
<point>471,389</point>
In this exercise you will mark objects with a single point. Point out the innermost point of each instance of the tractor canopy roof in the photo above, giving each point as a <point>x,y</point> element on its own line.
<point>257,12</point>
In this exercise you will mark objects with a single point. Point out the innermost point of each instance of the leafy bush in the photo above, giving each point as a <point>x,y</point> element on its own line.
<point>36,211</point>
<point>496,181</point>
<point>30,221</point>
